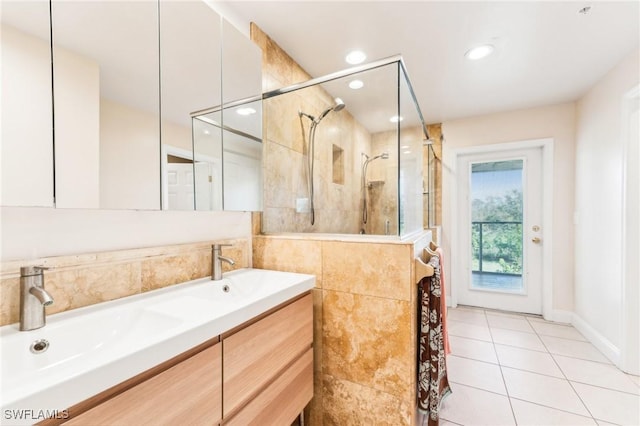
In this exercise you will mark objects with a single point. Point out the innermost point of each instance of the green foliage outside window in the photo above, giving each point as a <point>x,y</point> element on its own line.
<point>501,242</point>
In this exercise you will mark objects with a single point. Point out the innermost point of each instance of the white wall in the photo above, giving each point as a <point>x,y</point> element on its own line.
<point>556,122</point>
<point>599,205</point>
<point>29,233</point>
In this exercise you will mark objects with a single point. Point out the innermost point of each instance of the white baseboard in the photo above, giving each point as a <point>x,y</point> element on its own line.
<point>560,315</point>
<point>605,346</point>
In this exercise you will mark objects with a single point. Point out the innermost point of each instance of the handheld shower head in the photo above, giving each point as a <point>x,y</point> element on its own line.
<point>383,155</point>
<point>339,106</point>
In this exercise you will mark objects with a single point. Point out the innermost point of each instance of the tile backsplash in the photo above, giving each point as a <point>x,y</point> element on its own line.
<point>86,279</point>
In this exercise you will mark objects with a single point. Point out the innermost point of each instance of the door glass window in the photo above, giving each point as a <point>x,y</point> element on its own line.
<point>496,226</point>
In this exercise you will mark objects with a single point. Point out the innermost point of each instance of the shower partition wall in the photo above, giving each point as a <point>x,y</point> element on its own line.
<point>343,154</point>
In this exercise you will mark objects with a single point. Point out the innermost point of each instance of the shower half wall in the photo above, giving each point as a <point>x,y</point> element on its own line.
<point>380,125</point>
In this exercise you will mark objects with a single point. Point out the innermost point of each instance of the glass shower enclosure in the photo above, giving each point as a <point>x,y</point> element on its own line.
<point>343,154</point>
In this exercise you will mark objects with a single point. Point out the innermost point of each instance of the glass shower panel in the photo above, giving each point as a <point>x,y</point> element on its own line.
<point>242,142</point>
<point>343,154</point>
<point>410,137</point>
<point>349,183</point>
<point>375,162</point>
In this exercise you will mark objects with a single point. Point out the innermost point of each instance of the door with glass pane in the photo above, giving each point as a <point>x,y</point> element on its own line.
<point>500,229</point>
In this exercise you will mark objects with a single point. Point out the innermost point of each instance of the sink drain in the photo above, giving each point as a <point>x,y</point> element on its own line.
<point>225,288</point>
<point>39,346</point>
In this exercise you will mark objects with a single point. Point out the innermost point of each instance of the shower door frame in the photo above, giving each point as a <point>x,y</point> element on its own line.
<point>457,267</point>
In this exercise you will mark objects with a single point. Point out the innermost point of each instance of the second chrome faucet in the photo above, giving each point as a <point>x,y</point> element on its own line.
<point>217,259</point>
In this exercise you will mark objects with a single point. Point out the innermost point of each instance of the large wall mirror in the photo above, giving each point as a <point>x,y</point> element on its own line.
<point>129,80</point>
<point>26,126</point>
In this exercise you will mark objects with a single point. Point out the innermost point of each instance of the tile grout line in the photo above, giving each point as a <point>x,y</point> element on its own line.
<point>554,408</point>
<point>480,389</point>
<point>540,336</point>
<point>527,401</point>
<point>504,382</point>
<point>504,344</point>
<point>567,379</point>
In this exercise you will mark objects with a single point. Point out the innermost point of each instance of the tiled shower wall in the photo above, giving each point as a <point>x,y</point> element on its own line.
<point>285,165</point>
<point>87,279</point>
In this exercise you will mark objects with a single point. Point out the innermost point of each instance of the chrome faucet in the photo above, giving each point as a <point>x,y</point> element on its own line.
<point>33,298</point>
<point>217,259</point>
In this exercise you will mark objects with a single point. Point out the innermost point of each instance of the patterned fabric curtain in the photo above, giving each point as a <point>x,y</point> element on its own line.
<point>433,384</point>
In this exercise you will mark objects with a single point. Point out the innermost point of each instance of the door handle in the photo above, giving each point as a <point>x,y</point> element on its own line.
<point>536,240</point>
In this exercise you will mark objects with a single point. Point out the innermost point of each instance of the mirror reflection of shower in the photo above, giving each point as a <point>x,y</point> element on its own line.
<point>339,106</point>
<point>365,165</point>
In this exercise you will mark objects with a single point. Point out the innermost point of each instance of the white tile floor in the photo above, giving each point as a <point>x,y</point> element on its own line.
<point>509,369</point>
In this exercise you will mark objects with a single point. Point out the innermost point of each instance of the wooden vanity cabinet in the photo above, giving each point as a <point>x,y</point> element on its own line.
<point>269,365</point>
<point>260,373</point>
<point>187,393</point>
<point>282,400</point>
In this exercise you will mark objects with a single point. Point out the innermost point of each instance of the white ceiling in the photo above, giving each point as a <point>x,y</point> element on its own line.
<point>546,52</point>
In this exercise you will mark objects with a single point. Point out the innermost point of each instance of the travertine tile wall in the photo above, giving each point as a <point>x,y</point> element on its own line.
<point>435,134</point>
<point>87,279</point>
<point>286,134</point>
<point>383,191</point>
<point>365,323</point>
<point>364,300</point>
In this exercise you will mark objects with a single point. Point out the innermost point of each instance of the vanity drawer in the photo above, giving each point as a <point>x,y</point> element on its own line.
<point>282,401</point>
<point>254,356</point>
<point>187,393</point>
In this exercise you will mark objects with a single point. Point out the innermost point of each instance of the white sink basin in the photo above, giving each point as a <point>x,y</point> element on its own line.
<point>93,348</point>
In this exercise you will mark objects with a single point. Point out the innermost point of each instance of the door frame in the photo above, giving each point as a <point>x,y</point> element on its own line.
<point>167,150</point>
<point>547,215</point>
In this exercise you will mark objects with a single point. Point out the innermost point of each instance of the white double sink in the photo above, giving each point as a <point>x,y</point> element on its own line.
<point>94,348</point>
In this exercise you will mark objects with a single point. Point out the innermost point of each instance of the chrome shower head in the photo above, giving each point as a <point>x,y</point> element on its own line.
<point>339,106</point>
<point>383,155</point>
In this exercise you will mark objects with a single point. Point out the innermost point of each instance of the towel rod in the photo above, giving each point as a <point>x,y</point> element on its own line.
<point>422,269</point>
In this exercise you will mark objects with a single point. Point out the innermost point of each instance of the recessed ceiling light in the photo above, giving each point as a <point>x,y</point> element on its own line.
<point>479,52</point>
<point>356,84</point>
<point>206,132</point>
<point>405,146</point>
<point>246,111</point>
<point>407,152</point>
<point>396,118</point>
<point>355,57</point>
